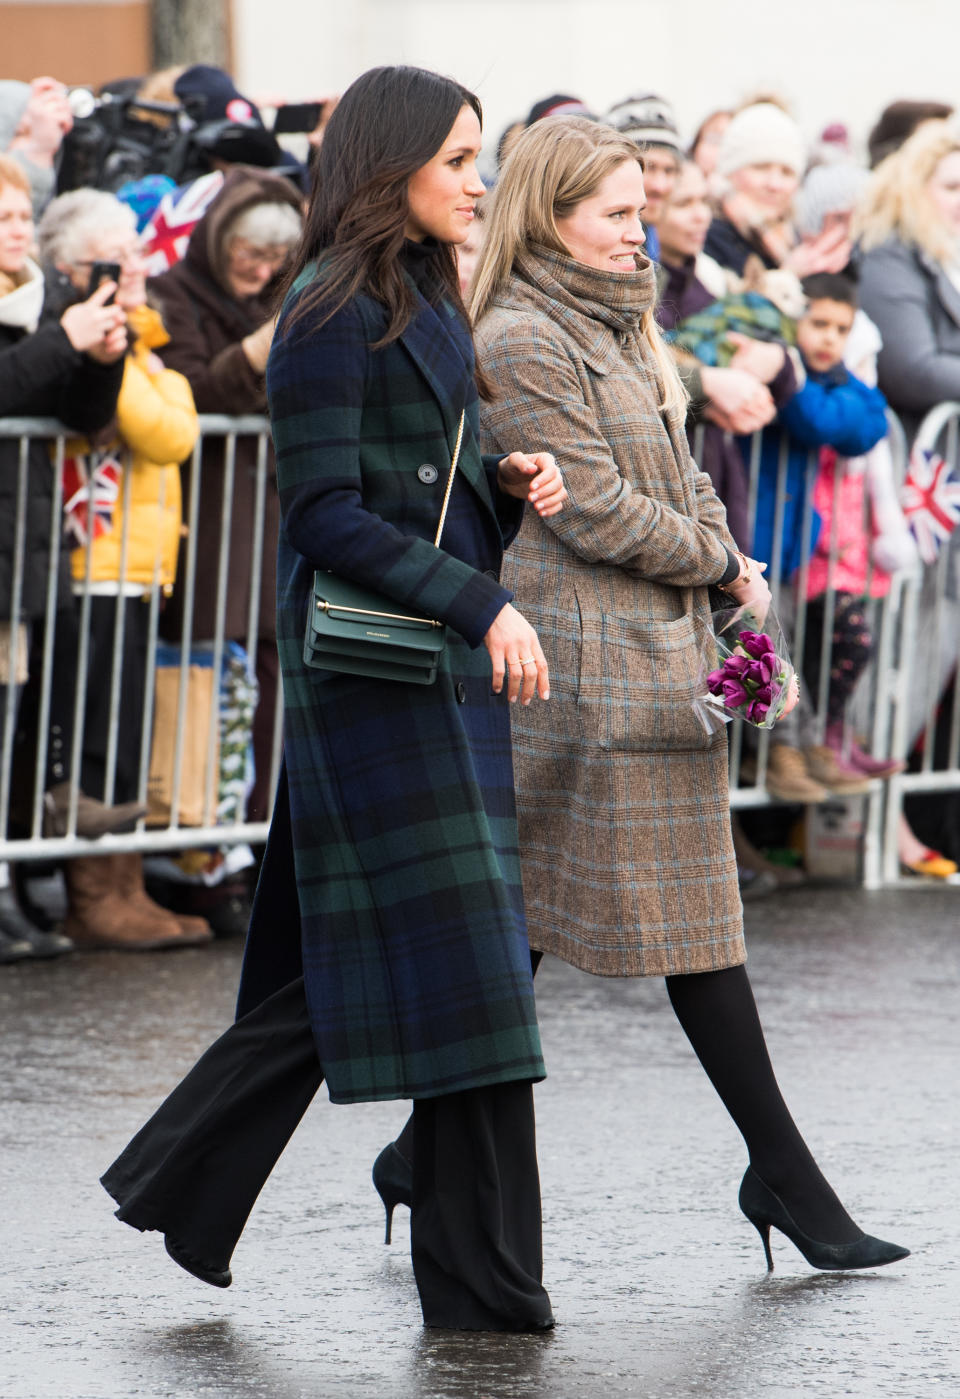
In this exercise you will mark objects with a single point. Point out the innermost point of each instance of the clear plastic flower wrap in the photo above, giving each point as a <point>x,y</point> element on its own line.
<point>745,671</point>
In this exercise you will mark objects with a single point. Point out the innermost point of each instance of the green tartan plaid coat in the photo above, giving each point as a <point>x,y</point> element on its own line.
<point>623,805</point>
<point>391,878</point>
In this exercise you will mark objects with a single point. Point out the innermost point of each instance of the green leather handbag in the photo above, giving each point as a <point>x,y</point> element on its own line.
<point>356,631</point>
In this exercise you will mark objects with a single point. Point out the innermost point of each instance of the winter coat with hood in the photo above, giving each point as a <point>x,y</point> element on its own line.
<point>41,375</point>
<point>206,324</point>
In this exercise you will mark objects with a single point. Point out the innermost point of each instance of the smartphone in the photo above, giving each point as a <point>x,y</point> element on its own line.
<point>297,116</point>
<point>102,272</point>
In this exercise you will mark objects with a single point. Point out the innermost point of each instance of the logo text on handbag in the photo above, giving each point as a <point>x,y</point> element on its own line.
<point>384,634</point>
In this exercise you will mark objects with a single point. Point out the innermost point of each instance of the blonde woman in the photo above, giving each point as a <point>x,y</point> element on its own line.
<point>909,238</point>
<point>625,836</point>
<point>622,799</point>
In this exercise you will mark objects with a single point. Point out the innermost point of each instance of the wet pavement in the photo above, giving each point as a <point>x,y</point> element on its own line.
<point>658,1282</point>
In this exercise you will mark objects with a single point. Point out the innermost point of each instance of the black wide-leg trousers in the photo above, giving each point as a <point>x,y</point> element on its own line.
<point>196,1168</point>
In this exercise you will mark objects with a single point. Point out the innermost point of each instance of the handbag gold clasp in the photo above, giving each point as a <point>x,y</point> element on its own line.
<point>326,606</point>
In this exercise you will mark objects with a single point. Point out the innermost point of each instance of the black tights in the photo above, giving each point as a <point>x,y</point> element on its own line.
<point>719,1017</point>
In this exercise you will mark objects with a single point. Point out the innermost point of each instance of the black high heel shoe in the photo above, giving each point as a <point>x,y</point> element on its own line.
<point>206,1272</point>
<point>763,1208</point>
<point>393,1178</point>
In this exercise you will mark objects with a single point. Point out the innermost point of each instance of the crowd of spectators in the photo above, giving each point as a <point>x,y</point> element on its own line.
<point>143,234</point>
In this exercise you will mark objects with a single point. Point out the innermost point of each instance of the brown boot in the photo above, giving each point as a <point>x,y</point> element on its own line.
<point>101,915</point>
<point>789,778</point>
<point>93,818</point>
<point>827,767</point>
<point>193,931</point>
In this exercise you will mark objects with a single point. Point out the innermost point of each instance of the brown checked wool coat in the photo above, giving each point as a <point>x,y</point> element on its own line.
<point>628,863</point>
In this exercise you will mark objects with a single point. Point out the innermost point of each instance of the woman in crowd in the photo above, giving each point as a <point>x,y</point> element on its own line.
<point>156,425</point>
<point>68,368</point>
<point>683,230</point>
<point>387,951</point>
<point>759,164</point>
<point>705,146</point>
<point>623,801</point>
<point>219,306</point>
<point>908,231</point>
<point>908,228</point>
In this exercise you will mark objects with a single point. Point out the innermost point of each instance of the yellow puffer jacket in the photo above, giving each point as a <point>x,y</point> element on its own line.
<point>156,424</point>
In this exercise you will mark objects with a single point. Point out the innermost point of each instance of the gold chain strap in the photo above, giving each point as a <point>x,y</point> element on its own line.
<point>453,468</point>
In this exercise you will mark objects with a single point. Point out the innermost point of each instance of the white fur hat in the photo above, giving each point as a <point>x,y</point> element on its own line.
<point>761,135</point>
<point>14,97</point>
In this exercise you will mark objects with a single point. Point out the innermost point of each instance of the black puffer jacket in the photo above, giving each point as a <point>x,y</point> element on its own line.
<point>42,375</point>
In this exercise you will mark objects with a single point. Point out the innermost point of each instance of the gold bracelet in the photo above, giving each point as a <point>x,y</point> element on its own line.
<point>743,577</point>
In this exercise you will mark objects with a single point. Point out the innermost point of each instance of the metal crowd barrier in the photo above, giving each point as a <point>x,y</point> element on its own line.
<point>27,841</point>
<point>929,651</point>
<point>895,703</point>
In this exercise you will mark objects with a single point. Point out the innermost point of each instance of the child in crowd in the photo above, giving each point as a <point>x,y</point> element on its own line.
<point>862,526</point>
<point>833,409</point>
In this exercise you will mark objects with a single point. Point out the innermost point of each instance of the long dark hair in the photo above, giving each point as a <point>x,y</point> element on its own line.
<point>387,124</point>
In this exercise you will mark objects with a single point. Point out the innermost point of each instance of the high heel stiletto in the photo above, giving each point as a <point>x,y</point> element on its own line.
<point>393,1178</point>
<point>765,1209</point>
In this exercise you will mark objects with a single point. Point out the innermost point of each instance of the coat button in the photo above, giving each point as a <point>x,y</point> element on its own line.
<point>491,573</point>
<point>461,692</point>
<point>427,473</point>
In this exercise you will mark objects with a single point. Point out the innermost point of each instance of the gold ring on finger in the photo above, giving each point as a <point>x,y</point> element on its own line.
<point>527,660</point>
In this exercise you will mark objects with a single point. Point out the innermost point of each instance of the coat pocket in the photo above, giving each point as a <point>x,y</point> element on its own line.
<point>638,681</point>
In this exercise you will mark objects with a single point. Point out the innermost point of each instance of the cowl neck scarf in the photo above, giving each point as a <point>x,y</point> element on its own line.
<point>617,299</point>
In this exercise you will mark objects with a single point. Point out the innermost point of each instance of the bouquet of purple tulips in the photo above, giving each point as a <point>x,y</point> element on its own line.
<point>752,678</point>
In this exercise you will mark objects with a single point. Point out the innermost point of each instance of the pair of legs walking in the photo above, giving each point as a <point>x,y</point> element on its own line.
<point>195,1170</point>
<point>784,1185</point>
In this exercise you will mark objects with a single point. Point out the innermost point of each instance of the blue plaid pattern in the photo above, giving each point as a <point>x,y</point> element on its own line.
<point>401,799</point>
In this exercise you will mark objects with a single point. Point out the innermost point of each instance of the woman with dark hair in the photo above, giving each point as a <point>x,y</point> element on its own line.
<point>387,951</point>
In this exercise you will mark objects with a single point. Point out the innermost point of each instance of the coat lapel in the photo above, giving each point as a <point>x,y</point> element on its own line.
<point>432,346</point>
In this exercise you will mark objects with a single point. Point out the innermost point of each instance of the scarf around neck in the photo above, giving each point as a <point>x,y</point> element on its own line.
<point>617,299</point>
<point>20,309</point>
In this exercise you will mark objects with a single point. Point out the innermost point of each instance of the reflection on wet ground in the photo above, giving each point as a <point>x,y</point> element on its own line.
<point>658,1282</point>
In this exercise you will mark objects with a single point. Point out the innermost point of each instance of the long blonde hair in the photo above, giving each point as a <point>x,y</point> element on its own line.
<point>897,202</point>
<point>554,166</point>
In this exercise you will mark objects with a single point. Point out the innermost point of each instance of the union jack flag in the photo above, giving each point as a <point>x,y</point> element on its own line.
<point>930,499</point>
<point>166,236</point>
<point>90,477</point>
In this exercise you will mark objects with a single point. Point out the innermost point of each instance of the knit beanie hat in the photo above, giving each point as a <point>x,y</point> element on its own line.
<point>561,104</point>
<point>144,195</point>
<point>14,97</point>
<point>230,126</point>
<point>828,189</point>
<point>648,120</point>
<point>761,135</point>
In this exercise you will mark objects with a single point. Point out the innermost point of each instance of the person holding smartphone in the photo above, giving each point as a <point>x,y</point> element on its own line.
<point>85,236</point>
<point>70,368</point>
